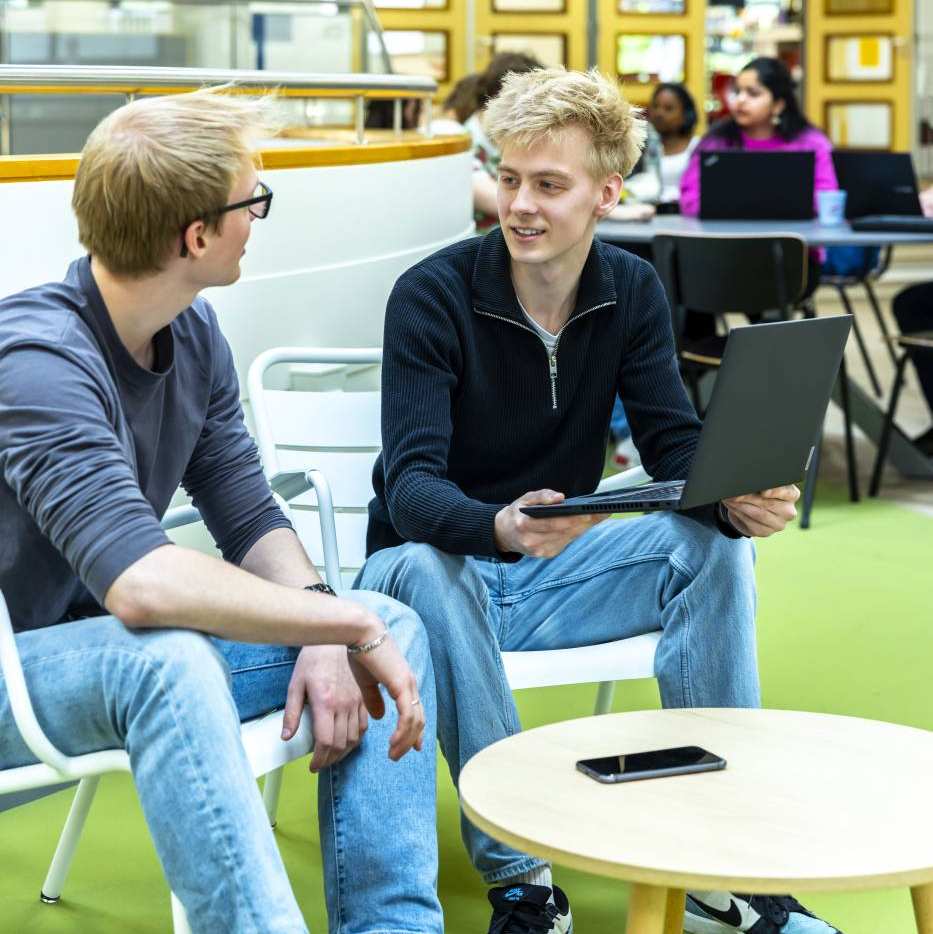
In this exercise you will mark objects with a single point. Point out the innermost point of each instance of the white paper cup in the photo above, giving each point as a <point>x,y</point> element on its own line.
<point>831,207</point>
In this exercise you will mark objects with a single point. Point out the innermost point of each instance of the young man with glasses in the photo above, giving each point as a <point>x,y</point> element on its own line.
<point>116,386</point>
<point>503,356</point>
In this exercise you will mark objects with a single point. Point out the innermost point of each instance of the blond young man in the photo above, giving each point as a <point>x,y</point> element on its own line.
<point>116,386</point>
<point>502,358</point>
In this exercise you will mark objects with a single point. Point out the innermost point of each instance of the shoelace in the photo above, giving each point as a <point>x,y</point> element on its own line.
<point>525,918</point>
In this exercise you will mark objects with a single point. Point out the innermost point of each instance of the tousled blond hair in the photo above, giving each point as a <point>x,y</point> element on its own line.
<point>155,165</point>
<point>540,104</point>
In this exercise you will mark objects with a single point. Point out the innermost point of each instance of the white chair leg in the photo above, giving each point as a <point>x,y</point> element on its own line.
<point>179,918</point>
<point>604,697</point>
<point>271,788</point>
<point>68,841</point>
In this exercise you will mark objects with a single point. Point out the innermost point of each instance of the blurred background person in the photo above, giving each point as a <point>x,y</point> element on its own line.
<point>485,155</point>
<point>764,117</point>
<point>459,105</point>
<point>672,114</point>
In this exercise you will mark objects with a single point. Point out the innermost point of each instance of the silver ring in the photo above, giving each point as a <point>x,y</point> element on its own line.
<point>415,703</point>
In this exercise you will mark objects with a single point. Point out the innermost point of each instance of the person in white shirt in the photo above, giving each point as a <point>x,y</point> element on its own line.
<point>673,115</point>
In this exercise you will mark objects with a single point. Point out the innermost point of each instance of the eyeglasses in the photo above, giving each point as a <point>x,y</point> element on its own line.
<point>259,205</point>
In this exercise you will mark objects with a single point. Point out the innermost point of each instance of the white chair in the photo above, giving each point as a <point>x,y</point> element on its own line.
<point>265,750</point>
<point>335,437</point>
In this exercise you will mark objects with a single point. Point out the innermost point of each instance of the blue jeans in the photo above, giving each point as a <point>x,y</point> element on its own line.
<point>621,578</point>
<point>619,428</point>
<point>165,696</point>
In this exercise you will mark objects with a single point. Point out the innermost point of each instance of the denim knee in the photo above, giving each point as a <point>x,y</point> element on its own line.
<point>186,659</point>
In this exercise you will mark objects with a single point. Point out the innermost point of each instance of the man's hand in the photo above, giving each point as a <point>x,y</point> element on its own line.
<point>322,678</point>
<point>386,665</point>
<point>763,514</point>
<point>539,538</point>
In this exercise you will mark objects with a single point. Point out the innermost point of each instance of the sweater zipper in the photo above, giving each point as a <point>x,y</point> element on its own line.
<point>551,357</point>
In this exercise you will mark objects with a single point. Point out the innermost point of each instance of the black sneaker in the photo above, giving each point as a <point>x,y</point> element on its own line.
<point>728,912</point>
<point>529,909</point>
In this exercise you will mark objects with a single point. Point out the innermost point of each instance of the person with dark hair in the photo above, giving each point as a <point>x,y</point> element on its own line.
<point>672,114</point>
<point>765,116</point>
<point>463,100</point>
<point>485,154</point>
<point>380,114</point>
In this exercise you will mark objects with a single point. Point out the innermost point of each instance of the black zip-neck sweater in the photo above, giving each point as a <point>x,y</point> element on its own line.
<point>475,412</point>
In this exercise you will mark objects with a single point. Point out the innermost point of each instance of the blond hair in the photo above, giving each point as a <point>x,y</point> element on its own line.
<point>155,165</point>
<point>540,104</point>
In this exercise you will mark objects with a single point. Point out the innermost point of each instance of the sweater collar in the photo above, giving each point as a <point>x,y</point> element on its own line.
<point>494,292</point>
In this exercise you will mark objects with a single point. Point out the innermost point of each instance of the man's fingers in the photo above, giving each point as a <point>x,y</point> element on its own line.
<point>323,726</point>
<point>410,727</point>
<point>375,705</point>
<point>294,705</point>
<point>540,498</point>
<point>362,719</point>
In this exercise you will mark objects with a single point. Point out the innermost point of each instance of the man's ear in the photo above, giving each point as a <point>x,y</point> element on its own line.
<point>193,238</point>
<point>609,195</point>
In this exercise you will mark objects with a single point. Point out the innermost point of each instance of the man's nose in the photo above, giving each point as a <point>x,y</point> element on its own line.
<point>524,203</point>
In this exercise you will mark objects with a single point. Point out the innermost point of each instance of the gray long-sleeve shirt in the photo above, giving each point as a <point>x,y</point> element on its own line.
<point>93,446</point>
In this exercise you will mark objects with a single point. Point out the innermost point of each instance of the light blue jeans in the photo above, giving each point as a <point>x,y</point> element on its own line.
<point>165,695</point>
<point>619,579</point>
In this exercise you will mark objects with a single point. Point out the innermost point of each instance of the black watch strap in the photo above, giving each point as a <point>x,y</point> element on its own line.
<point>322,588</point>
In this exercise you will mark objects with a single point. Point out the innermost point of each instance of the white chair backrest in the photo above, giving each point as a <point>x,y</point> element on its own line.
<point>335,431</point>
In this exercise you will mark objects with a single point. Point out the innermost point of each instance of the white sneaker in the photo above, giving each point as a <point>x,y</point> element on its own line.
<point>626,455</point>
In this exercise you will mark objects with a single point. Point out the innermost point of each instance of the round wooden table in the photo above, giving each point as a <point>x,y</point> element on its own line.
<point>806,802</point>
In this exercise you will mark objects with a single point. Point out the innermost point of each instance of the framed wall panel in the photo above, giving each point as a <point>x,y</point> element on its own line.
<point>419,52</point>
<point>649,58</point>
<point>860,124</point>
<point>653,7</point>
<point>550,48</point>
<point>859,58</point>
<point>529,6</point>
<point>858,7</point>
<point>410,4</point>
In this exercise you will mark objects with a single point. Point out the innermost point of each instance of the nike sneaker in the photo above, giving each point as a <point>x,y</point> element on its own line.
<point>529,909</point>
<point>728,912</point>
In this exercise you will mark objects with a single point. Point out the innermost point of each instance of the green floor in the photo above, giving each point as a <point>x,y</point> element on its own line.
<point>845,625</point>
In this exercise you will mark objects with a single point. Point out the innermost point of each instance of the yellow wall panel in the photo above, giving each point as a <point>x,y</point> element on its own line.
<point>822,94</point>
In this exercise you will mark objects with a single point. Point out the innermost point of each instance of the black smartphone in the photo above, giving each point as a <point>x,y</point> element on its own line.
<point>653,764</point>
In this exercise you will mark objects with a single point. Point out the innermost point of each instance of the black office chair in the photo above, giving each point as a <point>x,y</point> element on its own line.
<point>762,276</point>
<point>865,278</point>
<point>920,342</point>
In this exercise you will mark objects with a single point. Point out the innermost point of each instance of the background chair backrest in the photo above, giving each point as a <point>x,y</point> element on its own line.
<point>718,274</point>
<point>336,431</point>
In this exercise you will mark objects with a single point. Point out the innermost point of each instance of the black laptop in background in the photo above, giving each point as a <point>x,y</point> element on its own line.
<point>764,416</point>
<point>739,185</point>
<point>877,183</point>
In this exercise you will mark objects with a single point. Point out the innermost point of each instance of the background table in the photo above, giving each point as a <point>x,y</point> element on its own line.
<point>840,803</point>
<point>866,412</point>
<point>813,232</point>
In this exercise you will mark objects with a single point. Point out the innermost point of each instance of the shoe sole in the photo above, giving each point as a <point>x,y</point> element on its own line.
<point>694,924</point>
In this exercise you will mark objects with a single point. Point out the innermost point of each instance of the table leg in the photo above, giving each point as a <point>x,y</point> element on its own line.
<point>647,907</point>
<point>922,896</point>
<point>674,917</point>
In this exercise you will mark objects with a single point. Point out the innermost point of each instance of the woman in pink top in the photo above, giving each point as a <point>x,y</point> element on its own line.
<point>765,115</point>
